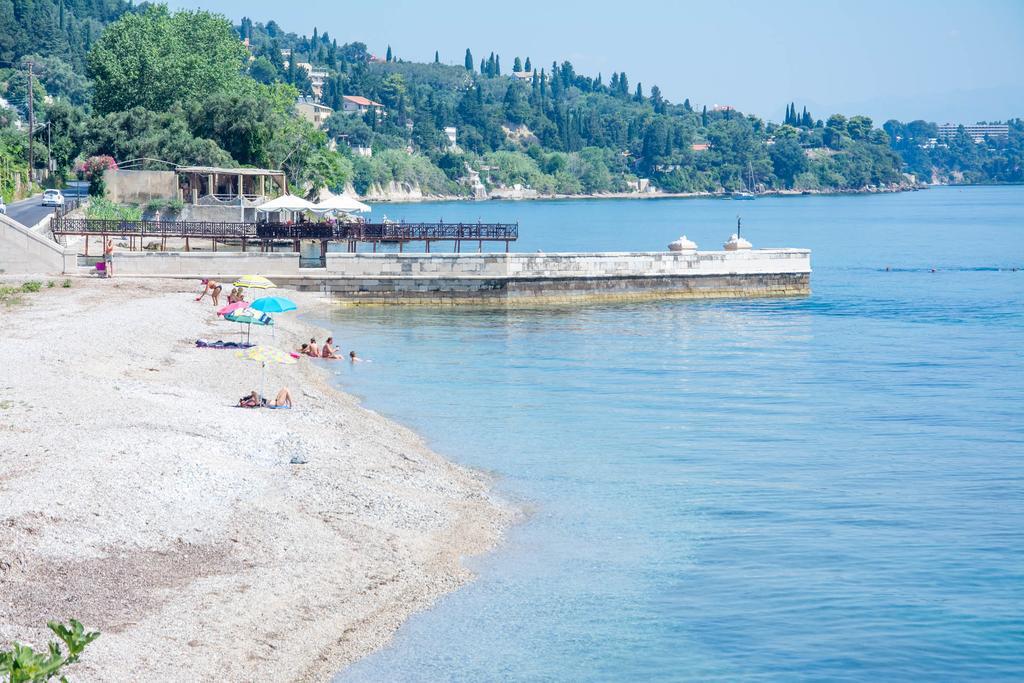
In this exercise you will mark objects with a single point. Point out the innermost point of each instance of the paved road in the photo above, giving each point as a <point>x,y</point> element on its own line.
<point>28,212</point>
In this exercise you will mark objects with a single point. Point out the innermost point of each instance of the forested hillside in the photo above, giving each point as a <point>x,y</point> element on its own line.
<point>147,86</point>
<point>959,159</point>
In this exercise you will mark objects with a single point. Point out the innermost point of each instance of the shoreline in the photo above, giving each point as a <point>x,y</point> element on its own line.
<point>426,199</point>
<point>139,501</point>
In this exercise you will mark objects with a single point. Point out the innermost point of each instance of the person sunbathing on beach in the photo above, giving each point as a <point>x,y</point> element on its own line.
<point>235,295</point>
<point>328,350</point>
<point>282,400</point>
<point>254,400</point>
<point>314,350</point>
<point>213,288</point>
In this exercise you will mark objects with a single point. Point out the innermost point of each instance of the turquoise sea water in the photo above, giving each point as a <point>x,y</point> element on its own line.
<point>828,488</point>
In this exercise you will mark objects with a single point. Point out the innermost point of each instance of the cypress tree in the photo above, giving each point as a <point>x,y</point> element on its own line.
<point>517,66</point>
<point>469,61</point>
<point>704,116</point>
<point>497,65</point>
<point>527,66</point>
<point>388,58</point>
<point>437,57</point>
<point>483,67</point>
<point>686,104</point>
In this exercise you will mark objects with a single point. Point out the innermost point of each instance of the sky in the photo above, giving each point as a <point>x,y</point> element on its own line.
<point>940,60</point>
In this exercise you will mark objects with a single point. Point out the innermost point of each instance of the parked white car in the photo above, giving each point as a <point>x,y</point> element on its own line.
<point>53,198</point>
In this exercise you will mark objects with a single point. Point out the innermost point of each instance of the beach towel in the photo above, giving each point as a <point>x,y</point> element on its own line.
<point>203,344</point>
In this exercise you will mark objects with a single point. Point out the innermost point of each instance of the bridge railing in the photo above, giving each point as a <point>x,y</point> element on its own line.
<point>357,232</point>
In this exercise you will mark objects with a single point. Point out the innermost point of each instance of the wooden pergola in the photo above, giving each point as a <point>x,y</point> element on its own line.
<point>228,183</point>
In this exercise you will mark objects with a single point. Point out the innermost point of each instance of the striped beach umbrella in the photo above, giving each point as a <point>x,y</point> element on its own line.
<point>253,282</point>
<point>263,355</point>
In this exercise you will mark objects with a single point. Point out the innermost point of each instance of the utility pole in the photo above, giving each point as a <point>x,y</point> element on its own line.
<point>31,124</point>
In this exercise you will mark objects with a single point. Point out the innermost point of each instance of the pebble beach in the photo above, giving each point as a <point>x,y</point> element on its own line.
<point>205,541</point>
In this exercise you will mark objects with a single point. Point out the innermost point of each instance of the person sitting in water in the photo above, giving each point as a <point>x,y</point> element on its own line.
<point>328,350</point>
<point>314,350</point>
<point>213,288</point>
<point>304,349</point>
<point>254,400</point>
<point>355,359</point>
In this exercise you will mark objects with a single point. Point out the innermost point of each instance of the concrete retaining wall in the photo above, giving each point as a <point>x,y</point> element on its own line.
<point>222,264</point>
<point>502,278</point>
<point>140,187</point>
<point>24,252</point>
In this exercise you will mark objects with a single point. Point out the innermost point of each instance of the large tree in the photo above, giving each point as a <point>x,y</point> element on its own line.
<point>155,59</point>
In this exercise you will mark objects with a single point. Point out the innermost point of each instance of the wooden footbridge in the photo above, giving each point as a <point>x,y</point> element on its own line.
<point>266,236</point>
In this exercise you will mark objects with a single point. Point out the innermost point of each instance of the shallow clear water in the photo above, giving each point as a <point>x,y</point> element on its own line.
<point>829,488</point>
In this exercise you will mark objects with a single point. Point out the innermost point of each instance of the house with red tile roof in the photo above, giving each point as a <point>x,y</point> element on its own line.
<point>354,104</point>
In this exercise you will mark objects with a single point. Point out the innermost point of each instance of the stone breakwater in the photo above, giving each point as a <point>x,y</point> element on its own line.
<point>507,279</point>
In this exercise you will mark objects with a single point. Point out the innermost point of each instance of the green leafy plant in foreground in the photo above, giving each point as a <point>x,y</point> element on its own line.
<point>32,286</point>
<point>22,664</point>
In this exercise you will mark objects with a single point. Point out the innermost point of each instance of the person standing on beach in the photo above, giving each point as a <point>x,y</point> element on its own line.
<point>108,257</point>
<point>213,288</point>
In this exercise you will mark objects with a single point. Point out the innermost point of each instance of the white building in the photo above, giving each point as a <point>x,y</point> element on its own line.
<point>452,133</point>
<point>977,132</point>
<point>354,104</point>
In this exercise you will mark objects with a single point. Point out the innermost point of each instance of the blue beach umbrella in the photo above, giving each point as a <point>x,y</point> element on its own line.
<point>273,304</point>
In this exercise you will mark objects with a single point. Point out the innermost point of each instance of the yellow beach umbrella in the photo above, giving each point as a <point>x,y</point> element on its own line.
<point>254,282</point>
<point>263,355</point>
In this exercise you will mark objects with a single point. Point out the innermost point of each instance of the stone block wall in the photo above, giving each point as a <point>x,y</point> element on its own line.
<point>506,279</point>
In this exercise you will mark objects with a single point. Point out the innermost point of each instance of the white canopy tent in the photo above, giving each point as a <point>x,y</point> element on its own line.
<point>286,202</point>
<point>343,203</point>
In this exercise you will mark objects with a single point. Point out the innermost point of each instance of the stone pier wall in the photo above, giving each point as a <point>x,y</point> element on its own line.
<point>518,279</point>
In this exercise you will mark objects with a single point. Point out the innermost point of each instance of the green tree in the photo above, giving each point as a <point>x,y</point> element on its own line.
<point>246,138</point>
<point>469,61</point>
<point>437,57</point>
<point>788,159</point>
<point>64,122</point>
<point>528,66</point>
<point>155,59</point>
<point>389,56</point>
<point>516,104</point>
<point>517,65</point>
<point>263,71</point>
